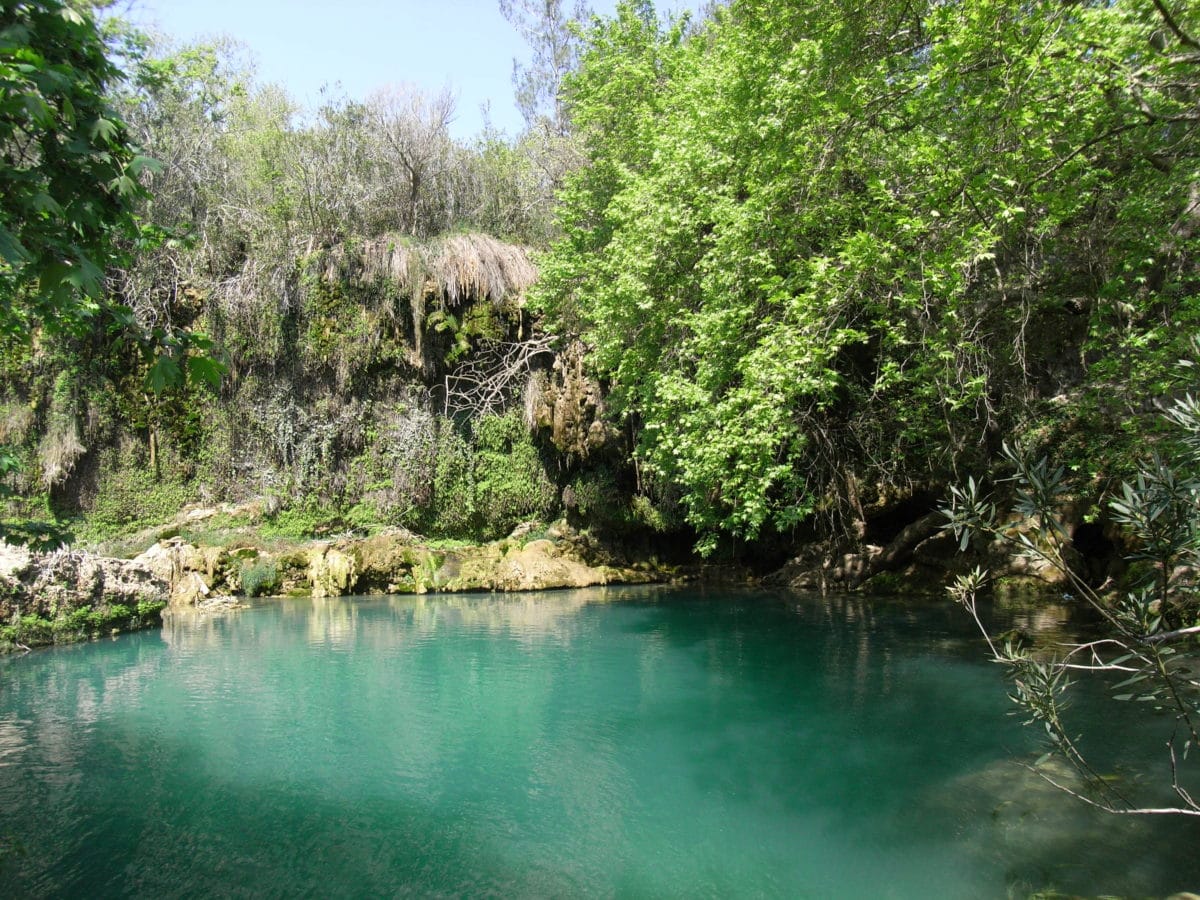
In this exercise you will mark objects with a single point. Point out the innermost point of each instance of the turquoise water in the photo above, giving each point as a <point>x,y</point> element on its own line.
<point>634,743</point>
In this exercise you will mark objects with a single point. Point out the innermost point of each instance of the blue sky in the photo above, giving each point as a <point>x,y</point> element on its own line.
<point>368,44</point>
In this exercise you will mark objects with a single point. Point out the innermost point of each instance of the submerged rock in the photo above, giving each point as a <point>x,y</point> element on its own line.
<point>221,603</point>
<point>1021,810</point>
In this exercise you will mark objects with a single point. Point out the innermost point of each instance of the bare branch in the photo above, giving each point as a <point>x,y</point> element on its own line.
<point>489,381</point>
<point>1119,810</point>
<point>1171,635</point>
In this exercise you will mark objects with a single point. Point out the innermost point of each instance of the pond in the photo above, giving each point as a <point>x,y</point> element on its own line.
<point>631,742</point>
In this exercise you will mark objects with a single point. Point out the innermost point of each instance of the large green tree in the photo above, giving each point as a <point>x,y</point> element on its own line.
<point>829,250</point>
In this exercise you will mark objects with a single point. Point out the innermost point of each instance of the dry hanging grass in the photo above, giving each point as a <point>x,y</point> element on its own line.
<point>58,452</point>
<point>385,258</point>
<point>389,259</point>
<point>16,420</point>
<point>477,267</point>
<point>451,270</point>
<point>260,292</point>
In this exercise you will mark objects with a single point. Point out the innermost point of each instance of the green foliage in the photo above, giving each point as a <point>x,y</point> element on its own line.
<point>337,326</point>
<point>72,182</point>
<point>147,610</point>
<point>597,496</point>
<point>601,496</point>
<point>243,344</point>
<point>259,577</point>
<point>31,631</point>
<point>79,624</point>
<point>548,30</point>
<point>131,497</point>
<point>36,534</point>
<point>820,245</point>
<point>477,321</point>
<point>9,463</point>
<point>510,180</point>
<point>307,517</point>
<point>452,510</point>
<point>426,474</point>
<point>660,517</point>
<point>69,174</point>
<point>1151,644</point>
<point>511,483</point>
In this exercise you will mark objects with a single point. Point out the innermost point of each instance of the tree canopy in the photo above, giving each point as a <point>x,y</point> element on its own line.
<point>821,249</point>
<point>69,174</point>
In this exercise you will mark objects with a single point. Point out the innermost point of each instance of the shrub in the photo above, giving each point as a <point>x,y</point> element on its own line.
<point>1151,646</point>
<point>512,485</point>
<point>259,577</point>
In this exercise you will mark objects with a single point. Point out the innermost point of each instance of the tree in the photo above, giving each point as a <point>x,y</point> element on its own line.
<point>414,144</point>
<point>505,191</point>
<point>549,143</point>
<point>68,170</point>
<point>818,247</point>
<point>547,28</point>
<point>181,104</point>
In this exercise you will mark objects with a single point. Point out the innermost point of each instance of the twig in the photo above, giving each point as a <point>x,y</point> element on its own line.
<point>1183,36</point>
<point>1118,810</point>
<point>1171,635</point>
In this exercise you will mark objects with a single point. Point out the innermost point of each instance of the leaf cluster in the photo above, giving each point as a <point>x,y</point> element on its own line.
<point>821,245</point>
<point>69,171</point>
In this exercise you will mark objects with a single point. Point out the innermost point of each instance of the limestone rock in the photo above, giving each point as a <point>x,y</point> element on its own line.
<point>14,560</point>
<point>467,569</point>
<point>165,559</point>
<point>123,581</point>
<point>198,514</point>
<point>571,405</point>
<point>219,603</point>
<point>538,566</point>
<point>212,559</point>
<point>331,572</point>
<point>69,579</point>
<point>53,587</point>
<point>190,590</point>
<point>389,563</point>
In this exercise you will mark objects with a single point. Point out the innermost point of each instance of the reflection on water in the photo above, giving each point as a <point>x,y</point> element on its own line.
<point>336,623</point>
<point>631,741</point>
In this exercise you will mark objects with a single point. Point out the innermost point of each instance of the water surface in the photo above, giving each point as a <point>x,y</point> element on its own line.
<point>619,742</point>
